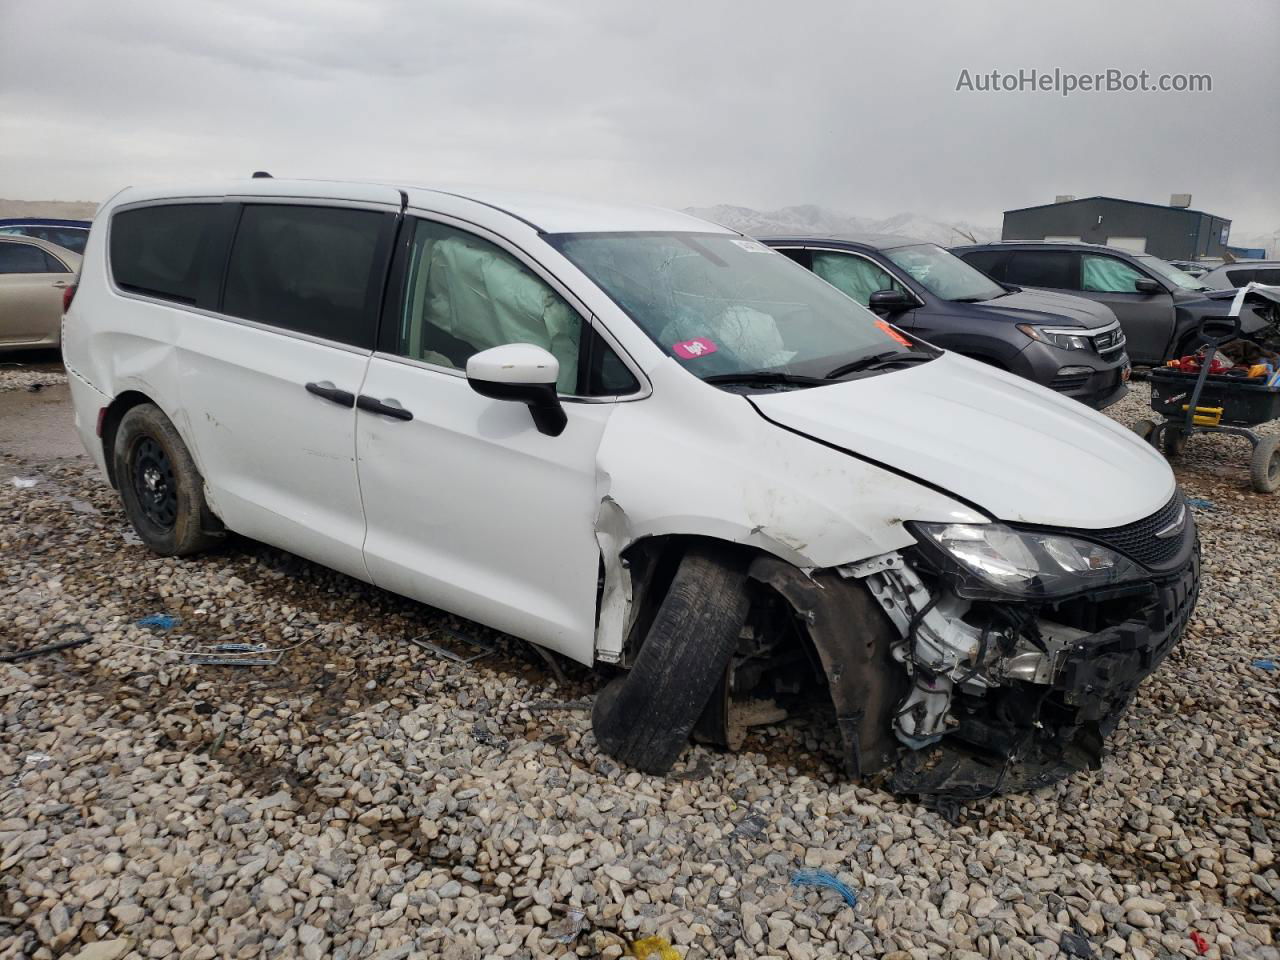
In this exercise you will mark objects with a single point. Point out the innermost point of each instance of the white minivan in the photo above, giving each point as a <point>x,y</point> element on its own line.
<point>647,443</point>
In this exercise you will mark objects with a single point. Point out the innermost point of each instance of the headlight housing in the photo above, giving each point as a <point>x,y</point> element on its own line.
<point>1066,339</point>
<point>1027,564</point>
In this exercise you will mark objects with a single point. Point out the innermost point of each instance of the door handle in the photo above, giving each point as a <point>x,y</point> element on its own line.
<point>386,409</point>
<point>60,285</point>
<point>328,391</point>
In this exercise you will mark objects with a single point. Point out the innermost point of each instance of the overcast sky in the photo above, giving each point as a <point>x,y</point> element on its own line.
<point>851,105</point>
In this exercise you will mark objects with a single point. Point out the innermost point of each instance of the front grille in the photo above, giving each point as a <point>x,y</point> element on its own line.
<point>1138,540</point>
<point>1109,342</point>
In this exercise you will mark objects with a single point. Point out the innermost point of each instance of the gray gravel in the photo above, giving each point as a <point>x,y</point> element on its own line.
<point>22,378</point>
<point>364,799</point>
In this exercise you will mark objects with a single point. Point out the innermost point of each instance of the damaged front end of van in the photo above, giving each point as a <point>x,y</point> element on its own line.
<point>986,658</point>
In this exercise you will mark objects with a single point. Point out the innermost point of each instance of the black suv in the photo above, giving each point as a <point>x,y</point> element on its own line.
<point>1159,306</point>
<point>1067,344</point>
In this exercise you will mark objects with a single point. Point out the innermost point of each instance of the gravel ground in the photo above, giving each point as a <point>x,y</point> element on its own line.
<point>363,798</point>
<point>30,369</point>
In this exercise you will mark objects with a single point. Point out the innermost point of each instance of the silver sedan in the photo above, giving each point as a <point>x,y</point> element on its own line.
<point>34,275</point>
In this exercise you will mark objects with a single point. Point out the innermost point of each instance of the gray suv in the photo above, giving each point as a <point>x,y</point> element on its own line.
<point>1159,306</point>
<point>1064,343</point>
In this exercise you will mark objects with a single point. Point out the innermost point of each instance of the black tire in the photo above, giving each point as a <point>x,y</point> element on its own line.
<point>1264,468</point>
<point>1174,441</point>
<point>644,718</point>
<point>162,491</point>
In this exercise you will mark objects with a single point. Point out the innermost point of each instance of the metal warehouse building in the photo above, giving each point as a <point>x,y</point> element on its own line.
<point>1175,232</point>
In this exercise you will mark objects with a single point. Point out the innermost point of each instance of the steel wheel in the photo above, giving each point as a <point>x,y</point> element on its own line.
<point>154,483</point>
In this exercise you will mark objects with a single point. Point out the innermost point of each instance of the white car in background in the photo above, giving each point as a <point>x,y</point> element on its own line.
<point>647,443</point>
<point>1231,276</point>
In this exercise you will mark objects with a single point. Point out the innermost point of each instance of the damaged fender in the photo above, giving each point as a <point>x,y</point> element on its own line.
<point>854,641</point>
<point>720,475</point>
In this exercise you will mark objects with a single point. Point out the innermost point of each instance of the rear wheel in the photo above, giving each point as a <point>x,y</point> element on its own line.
<point>644,719</point>
<point>162,491</point>
<point>1264,468</point>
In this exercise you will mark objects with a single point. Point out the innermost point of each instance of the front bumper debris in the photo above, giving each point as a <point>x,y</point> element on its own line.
<point>1014,708</point>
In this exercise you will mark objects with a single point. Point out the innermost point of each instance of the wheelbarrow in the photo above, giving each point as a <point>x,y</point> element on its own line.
<point>1204,402</point>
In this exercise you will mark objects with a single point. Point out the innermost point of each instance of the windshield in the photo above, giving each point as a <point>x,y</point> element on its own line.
<point>1167,270</point>
<point>944,274</point>
<point>724,305</point>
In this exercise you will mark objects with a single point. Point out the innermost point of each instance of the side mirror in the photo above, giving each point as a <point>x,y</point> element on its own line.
<point>889,301</point>
<point>525,373</point>
<point>1147,285</point>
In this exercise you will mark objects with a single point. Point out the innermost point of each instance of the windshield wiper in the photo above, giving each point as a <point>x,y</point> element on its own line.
<point>878,360</point>
<point>765,377</point>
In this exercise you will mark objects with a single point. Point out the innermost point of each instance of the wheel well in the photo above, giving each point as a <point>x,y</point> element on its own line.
<point>111,424</point>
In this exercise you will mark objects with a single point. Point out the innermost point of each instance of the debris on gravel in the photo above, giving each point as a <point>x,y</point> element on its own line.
<point>18,377</point>
<point>363,797</point>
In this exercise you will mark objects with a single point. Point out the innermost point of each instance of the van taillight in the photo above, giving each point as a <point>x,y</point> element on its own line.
<point>68,294</point>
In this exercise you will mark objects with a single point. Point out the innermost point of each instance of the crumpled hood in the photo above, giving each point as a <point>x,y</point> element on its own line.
<point>1020,452</point>
<point>1047,308</point>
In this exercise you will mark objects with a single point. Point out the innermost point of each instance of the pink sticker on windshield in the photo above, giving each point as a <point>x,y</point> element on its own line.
<point>692,349</point>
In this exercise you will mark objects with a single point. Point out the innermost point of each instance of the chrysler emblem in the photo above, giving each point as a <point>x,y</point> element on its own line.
<point>1174,528</point>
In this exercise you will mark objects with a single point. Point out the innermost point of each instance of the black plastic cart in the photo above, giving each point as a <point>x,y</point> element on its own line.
<point>1213,403</point>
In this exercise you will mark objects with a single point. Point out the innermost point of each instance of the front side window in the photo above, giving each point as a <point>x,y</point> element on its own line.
<point>854,276</point>
<point>159,251</point>
<point>464,294</point>
<point>722,305</point>
<point>1044,268</point>
<point>944,274</point>
<point>24,258</point>
<point>1167,270</point>
<point>1109,275</point>
<point>311,270</point>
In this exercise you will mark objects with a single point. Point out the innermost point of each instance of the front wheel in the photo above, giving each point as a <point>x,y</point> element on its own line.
<point>644,718</point>
<point>160,487</point>
<point>1264,468</point>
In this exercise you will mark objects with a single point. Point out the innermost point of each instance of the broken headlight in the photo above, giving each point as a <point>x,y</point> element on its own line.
<point>1025,563</point>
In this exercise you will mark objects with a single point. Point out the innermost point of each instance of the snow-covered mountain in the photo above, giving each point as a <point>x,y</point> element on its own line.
<point>812,219</point>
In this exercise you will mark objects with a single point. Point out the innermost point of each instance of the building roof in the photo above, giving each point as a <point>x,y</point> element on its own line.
<point>1135,203</point>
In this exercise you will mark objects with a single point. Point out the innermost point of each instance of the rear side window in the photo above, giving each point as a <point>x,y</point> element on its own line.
<point>994,263</point>
<point>1044,268</point>
<point>67,237</point>
<point>1239,278</point>
<point>312,270</point>
<point>26,258</point>
<point>160,251</point>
